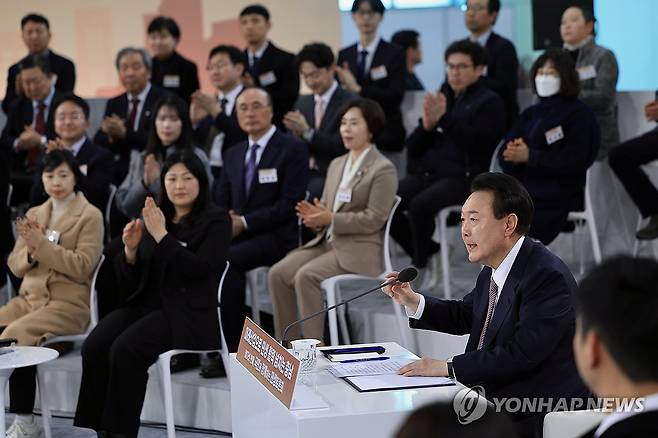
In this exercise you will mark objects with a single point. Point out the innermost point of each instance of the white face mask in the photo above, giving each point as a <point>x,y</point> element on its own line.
<point>547,85</point>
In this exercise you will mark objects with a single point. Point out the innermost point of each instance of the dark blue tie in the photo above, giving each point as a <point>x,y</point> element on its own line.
<point>250,169</point>
<point>361,65</point>
<point>253,69</point>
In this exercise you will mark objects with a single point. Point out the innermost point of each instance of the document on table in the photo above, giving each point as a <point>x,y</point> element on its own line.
<point>394,381</point>
<point>369,368</point>
<point>352,356</point>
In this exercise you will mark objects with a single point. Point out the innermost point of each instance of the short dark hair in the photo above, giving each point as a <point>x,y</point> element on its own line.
<point>318,54</point>
<point>194,164</point>
<point>376,5</point>
<point>473,50</point>
<point>405,38</point>
<point>566,68</point>
<point>184,141</point>
<point>146,58</point>
<point>256,10</point>
<point>35,18</point>
<point>372,113</point>
<point>509,197</point>
<point>75,99</point>
<point>618,300</point>
<point>160,23</point>
<point>53,159</point>
<point>424,422</point>
<point>493,6</point>
<point>36,61</point>
<point>235,55</point>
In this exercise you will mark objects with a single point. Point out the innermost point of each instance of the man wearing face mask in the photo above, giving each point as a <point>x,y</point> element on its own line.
<point>552,144</point>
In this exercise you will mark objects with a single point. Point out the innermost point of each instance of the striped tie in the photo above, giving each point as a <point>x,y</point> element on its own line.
<point>493,294</point>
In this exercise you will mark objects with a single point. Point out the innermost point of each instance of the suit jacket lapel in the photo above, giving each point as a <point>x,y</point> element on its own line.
<point>365,166</point>
<point>266,160</point>
<point>84,154</point>
<point>145,115</point>
<point>73,212</point>
<point>509,291</point>
<point>330,113</point>
<point>333,180</point>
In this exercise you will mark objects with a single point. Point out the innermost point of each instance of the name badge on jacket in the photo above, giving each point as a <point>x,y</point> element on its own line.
<point>553,135</point>
<point>267,79</point>
<point>344,195</point>
<point>83,169</point>
<point>379,72</point>
<point>171,81</point>
<point>267,176</point>
<point>586,72</point>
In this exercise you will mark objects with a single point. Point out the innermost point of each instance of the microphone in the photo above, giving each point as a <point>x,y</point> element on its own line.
<point>406,275</point>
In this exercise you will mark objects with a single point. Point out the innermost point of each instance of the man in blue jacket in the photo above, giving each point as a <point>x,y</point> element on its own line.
<point>520,315</point>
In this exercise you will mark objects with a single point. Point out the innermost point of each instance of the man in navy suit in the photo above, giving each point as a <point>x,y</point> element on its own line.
<point>127,120</point>
<point>520,315</point>
<point>29,124</point>
<point>375,68</point>
<point>268,66</point>
<point>316,117</point>
<point>35,31</point>
<point>262,181</point>
<point>502,70</point>
<point>71,114</point>
<point>214,117</point>
<point>616,343</point>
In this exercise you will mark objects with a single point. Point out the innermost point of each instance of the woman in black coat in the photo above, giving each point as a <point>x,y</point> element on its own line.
<point>168,278</point>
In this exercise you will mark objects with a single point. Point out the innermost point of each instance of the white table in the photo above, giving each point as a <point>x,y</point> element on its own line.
<point>18,358</point>
<point>256,412</point>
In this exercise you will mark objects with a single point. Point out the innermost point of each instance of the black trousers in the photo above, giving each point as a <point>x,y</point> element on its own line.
<point>246,253</point>
<point>22,390</point>
<point>626,160</point>
<point>422,199</point>
<point>115,361</point>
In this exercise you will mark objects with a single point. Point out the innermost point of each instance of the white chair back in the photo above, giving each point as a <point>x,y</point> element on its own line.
<point>494,166</point>
<point>388,265</point>
<point>10,190</point>
<point>571,424</point>
<point>222,339</point>
<point>93,297</point>
<point>108,207</point>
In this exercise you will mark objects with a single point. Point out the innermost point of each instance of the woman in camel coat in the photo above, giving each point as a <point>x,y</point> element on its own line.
<point>53,299</point>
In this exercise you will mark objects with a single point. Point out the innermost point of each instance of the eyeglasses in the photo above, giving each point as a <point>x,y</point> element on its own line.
<point>216,66</point>
<point>365,13</point>
<point>458,67</point>
<point>474,8</point>
<point>73,116</point>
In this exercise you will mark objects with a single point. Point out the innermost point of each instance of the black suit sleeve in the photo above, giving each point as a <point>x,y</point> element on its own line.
<point>503,78</point>
<point>99,177</point>
<point>222,192</point>
<point>10,93</point>
<point>391,96</point>
<point>66,78</point>
<point>447,316</point>
<point>286,93</point>
<point>101,138</point>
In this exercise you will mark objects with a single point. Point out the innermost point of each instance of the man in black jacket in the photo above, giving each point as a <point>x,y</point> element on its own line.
<point>501,73</point>
<point>375,68</point>
<point>268,66</point>
<point>458,132</point>
<point>36,35</point>
<point>127,119</point>
<point>616,344</point>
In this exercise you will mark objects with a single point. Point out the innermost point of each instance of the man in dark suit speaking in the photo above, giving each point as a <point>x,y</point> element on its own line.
<point>520,315</point>
<point>616,344</point>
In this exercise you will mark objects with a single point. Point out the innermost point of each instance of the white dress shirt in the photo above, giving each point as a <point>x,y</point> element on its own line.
<point>215,157</point>
<point>326,97</point>
<point>482,39</point>
<point>258,53</point>
<point>262,142</point>
<point>371,52</point>
<point>46,111</point>
<point>75,147</point>
<point>499,276</point>
<point>650,404</point>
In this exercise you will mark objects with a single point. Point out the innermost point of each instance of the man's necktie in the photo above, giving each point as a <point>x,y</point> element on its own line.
<point>133,113</point>
<point>222,104</point>
<point>40,127</point>
<point>361,65</point>
<point>253,68</point>
<point>319,112</point>
<point>250,170</point>
<point>493,295</point>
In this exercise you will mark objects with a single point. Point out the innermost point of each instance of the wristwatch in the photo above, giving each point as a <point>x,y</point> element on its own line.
<point>451,370</point>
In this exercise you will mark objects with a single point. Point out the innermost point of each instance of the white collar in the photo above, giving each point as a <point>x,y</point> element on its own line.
<point>500,274</point>
<point>231,95</point>
<point>370,47</point>
<point>650,404</point>
<point>142,95</point>
<point>326,97</point>
<point>264,139</point>
<point>259,53</point>
<point>47,101</point>
<point>75,147</point>
<point>357,163</point>
<point>482,39</point>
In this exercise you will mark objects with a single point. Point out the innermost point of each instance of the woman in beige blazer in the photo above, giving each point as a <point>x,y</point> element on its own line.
<point>59,244</point>
<point>349,220</point>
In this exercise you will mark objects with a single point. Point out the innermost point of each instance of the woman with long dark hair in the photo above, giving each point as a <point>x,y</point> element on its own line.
<point>168,273</point>
<point>171,132</point>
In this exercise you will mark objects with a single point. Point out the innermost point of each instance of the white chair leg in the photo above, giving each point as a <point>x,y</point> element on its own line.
<point>636,243</point>
<point>342,319</point>
<point>403,323</point>
<point>252,284</point>
<point>594,236</point>
<point>331,315</point>
<point>445,262</point>
<point>167,397</point>
<point>43,397</point>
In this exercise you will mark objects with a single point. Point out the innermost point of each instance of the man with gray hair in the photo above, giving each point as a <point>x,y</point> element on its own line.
<point>127,118</point>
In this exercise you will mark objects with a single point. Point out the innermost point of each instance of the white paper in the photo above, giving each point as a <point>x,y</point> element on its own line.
<point>369,368</point>
<point>394,381</point>
<point>357,356</point>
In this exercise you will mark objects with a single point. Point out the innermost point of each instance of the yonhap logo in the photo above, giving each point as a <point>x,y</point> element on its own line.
<point>470,404</point>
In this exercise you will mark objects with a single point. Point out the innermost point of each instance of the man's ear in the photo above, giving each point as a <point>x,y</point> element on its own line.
<point>510,224</point>
<point>594,348</point>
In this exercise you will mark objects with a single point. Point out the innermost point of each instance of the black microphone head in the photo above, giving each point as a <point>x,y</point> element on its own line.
<point>407,274</point>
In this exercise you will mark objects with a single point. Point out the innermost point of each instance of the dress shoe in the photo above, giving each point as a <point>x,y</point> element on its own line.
<point>650,231</point>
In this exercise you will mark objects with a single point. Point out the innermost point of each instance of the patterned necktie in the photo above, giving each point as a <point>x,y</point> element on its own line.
<point>133,113</point>
<point>493,294</point>
<point>250,170</point>
<point>222,104</point>
<point>361,65</point>
<point>319,112</point>
<point>40,127</point>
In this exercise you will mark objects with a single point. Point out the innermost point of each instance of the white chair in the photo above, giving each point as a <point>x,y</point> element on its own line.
<point>113,191</point>
<point>636,242</point>
<point>252,296</point>
<point>93,320</point>
<point>164,361</point>
<point>571,424</point>
<point>331,287</point>
<point>586,218</point>
<point>10,190</point>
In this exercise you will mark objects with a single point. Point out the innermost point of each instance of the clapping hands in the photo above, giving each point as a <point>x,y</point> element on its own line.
<point>314,215</point>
